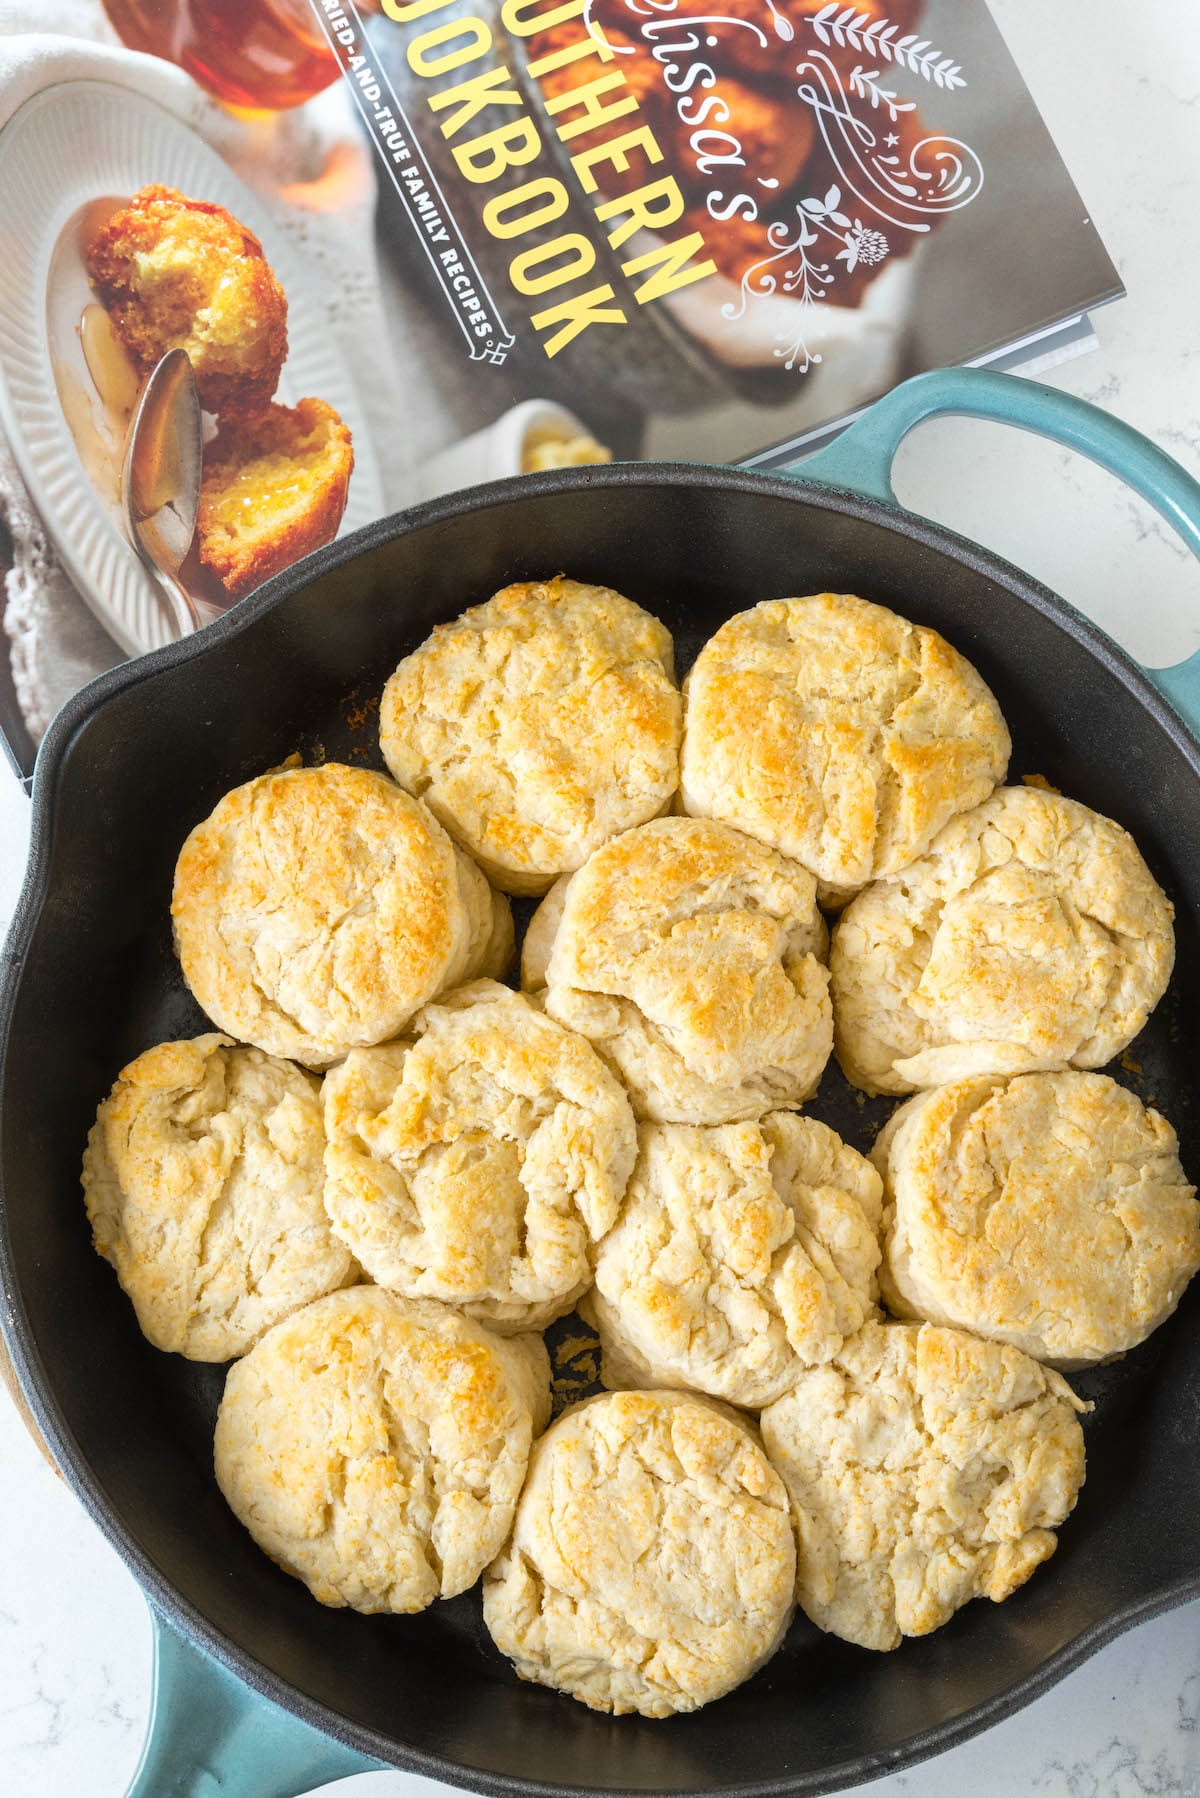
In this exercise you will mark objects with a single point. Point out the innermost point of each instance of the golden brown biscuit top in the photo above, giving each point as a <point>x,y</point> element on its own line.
<point>202,1178</point>
<point>926,1468</point>
<point>744,1253</point>
<point>537,725</point>
<point>1032,935</point>
<point>1049,1210</point>
<point>652,1561</point>
<point>632,1462</point>
<point>480,1163</point>
<point>316,909</point>
<point>711,937</point>
<point>838,732</point>
<point>376,1446</point>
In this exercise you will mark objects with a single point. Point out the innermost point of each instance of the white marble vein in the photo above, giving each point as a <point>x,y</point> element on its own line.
<point>1120,88</point>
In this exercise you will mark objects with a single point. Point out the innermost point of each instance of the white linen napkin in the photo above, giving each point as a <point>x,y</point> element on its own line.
<point>313,171</point>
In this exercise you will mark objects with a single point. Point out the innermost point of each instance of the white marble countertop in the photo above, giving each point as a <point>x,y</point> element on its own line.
<point>1120,89</point>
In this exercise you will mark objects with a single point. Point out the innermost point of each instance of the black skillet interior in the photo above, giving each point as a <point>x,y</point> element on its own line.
<point>301,669</point>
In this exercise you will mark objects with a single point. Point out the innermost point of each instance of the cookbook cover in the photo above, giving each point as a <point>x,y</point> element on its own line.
<point>412,245</point>
<point>711,229</point>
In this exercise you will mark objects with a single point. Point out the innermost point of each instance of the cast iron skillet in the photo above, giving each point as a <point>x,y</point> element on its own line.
<point>145,751</point>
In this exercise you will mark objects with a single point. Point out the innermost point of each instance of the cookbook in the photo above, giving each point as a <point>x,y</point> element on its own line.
<point>715,230</point>
<point>699,230</point>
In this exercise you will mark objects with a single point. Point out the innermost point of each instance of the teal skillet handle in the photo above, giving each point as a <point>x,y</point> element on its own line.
<point>861,459</point>
<point>210,1736</point>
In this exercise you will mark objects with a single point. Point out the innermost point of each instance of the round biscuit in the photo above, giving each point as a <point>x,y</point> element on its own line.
<point>925,1468</point>
<point>375,1447</point>
<point>482,1162</point>
<point>1048,1211</point>
<point>744,1253</point>
<point>203,1179</point>
<point>177,273</point>
<point>1031,936</point>
<point>316,909</point>
<point>652,1562</point>
<point>537,725</point>
<point>690,955</point>
<point>838,732</point>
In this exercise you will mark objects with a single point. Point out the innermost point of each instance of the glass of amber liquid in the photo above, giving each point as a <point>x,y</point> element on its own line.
<point>255,55</point>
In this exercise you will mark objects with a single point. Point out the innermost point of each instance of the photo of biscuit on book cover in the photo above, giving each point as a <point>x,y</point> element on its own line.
<point>171,272</point>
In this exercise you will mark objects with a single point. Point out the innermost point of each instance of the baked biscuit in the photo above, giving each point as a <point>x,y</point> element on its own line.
<point>1031,936</point>
<point>174,273</point>
<point>481,1163</point>
<point>1048,1211</point>
<point>202,1179</point>
<point>652,1564</point>
<point>689,954</point>
<point>537,726</point>
<point>839,733</point>
<point>493,956</point>
<point>925,1469</point>
<point>317,908</point>
<point>274,489</point>
<point>540,932</point>
<point>375,1447</point>
<point>744,1254</point>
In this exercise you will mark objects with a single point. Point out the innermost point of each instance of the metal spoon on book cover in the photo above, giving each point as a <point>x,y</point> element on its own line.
<point>160,481</point>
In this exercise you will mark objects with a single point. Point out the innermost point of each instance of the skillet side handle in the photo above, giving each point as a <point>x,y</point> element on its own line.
<point>861,460</point>
<point>210,1735</point>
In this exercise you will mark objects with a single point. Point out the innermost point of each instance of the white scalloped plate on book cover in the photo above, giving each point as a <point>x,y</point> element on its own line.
<point>66,157</point>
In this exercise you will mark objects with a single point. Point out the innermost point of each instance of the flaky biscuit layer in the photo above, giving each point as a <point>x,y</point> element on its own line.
<point>375,1447</point>
<point>203,1180</point>
<point>1049,1211</point>
<point>925,1468</point>
<point>838,732</point>
<point>481,1161</point>
<point>1031,936</point>
<point>744,1254</point>
<point>690,955</point>
<point>652,1565</point>
<point>316,909</point>
<point>538,725</point>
